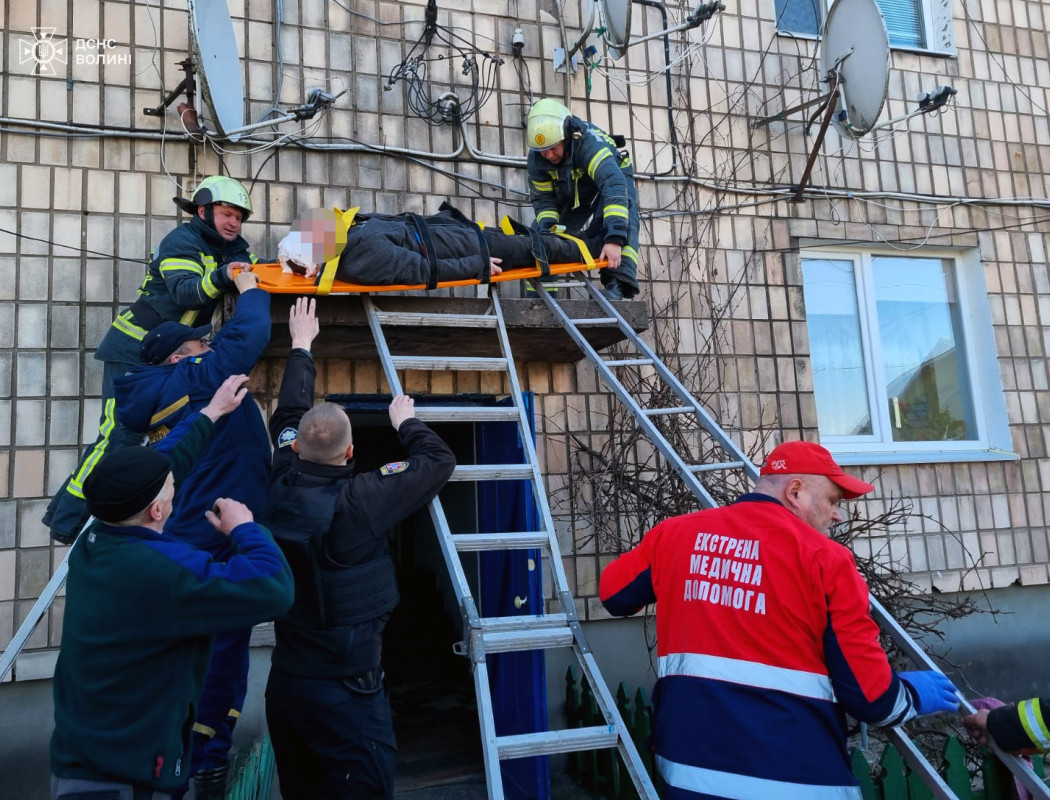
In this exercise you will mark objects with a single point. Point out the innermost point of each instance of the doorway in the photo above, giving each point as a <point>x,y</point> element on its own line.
<point>432,689</point>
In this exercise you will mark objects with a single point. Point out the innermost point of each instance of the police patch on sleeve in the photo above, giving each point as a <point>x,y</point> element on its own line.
<point>288,435</point>
<point>393,467</point>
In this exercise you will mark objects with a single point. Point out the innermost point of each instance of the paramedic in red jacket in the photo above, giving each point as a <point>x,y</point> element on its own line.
<point>764,640</point>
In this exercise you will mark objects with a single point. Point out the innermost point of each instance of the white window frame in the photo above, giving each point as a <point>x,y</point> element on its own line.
<point>937,21</point>
<point>993,442</point>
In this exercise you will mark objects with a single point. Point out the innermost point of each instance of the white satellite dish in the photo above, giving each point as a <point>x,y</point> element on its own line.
<point>214,51</point>
<point>854,44</point>
<point>616,19</point>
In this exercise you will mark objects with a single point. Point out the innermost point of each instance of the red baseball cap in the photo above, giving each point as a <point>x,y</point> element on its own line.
<point>809,458</point>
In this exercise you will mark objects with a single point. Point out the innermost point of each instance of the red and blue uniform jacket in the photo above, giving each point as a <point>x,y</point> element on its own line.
<point>765,642</point>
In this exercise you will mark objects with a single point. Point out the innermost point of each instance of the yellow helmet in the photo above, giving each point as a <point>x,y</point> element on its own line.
<point>546,124</point>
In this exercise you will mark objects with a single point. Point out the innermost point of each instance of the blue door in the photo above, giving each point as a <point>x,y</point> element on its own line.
<point>511,584</point>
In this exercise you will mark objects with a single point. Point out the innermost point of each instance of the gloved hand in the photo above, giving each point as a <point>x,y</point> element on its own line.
<point>931,690</point>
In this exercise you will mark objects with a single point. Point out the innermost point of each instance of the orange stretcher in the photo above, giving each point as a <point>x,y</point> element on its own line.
<point>275,281</point>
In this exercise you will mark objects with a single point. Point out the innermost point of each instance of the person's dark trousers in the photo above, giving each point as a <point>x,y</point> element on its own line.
<point>627,272</point>
<point>67,512</point>
<point>332,739</point>
<point>220,704</point>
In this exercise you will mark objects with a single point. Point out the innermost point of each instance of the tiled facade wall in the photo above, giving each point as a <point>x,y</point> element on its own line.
<point>725,284</point>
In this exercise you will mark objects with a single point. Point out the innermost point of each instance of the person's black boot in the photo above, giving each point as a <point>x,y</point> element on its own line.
<point>614,290</point>
<point>210,784</point>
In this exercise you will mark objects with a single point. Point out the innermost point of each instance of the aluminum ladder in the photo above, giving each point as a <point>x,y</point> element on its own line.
<point>735,459</point>
<point>482,635</point>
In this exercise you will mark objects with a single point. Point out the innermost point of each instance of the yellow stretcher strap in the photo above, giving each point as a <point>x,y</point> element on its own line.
<point>585,254</point>
<point>506,225</point>
<point>324,283</point>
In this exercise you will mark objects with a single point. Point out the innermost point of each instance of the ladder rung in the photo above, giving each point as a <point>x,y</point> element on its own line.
<point>582,323</point>
<point>448,362</point>
<point>657,412</point>
<point>629,362</point>
<point>518,540</point>
<point>492,472</point>
<point>713,467</point>
<point>467,414</point>
<point>527,639</point>
<point>548,742</point>
<point>396,318</point>
<point>571,284</point>
<point>525,622</point>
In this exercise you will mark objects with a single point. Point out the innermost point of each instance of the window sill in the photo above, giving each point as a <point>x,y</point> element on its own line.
<point>894,48</point>
<point>853,458</point>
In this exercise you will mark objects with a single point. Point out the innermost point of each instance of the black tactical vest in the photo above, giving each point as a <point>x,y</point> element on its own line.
<point>334,628</point>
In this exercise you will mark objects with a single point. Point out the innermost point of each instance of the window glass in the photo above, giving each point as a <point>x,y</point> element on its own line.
<point>905,26</point>
<point>799,16</point>
<point>924,372</point>
<point>903,22</point>
<point>836,353</point>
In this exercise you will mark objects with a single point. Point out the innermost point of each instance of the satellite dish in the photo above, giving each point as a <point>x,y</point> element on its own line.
<point>616,19</point>
<point>214,51</point>
<point>854,43</point>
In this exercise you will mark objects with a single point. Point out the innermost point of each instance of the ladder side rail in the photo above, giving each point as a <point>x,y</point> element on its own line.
<point>471,617</point>
<point>36,613</point>
<point>706,420</point>
<point>917,761</point>
<point>607,704</point>
<point>628,752</point>
<point>630,756</point>
<point>611,381</point>
<point>437,513</point>
<point>921,658</point>
<point>525,435</point>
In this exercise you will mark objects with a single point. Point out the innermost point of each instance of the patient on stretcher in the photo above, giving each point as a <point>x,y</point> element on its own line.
<point>409,249</point>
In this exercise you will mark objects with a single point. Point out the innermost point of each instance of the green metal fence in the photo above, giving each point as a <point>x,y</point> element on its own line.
<point>251,772</point>
<point>888,779</point>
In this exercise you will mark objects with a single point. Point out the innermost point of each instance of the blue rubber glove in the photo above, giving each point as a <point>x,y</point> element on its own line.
<point>931,690</point>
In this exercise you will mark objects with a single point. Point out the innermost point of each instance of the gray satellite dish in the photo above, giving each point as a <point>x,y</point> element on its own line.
<point>616,19</point>
<point>855,44</point>
<point>214,51</point>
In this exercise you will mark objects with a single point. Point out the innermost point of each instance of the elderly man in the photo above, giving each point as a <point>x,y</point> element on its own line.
<point>141,610</point>
<point>191,268</point>
<point>764,640</point>
<point>181,373</point>
<point>327,702</point>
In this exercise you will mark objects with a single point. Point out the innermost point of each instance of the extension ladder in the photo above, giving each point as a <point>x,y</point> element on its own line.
<point>490,635</point>
<point>736,459</point>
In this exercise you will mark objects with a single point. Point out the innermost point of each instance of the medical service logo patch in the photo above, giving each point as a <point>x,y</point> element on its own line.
<point>288,435</point>
<point>393,467</point>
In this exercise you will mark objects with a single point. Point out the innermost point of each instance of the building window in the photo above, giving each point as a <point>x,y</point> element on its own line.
<point>900,356</point>
<point>910,24</point>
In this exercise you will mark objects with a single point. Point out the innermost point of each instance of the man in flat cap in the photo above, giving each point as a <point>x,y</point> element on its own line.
<point>141,610</point>
<point>764,639</point>
<point>181,373</point>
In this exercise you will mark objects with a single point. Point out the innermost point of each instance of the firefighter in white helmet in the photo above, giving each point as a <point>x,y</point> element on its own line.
<point>189,271</point>
<point>581,180</point>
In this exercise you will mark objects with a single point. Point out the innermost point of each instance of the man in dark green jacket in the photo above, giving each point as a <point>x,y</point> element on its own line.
<point>141,608</point>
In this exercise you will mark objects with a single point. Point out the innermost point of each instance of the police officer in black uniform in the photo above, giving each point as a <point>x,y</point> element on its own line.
<point>327,704</point>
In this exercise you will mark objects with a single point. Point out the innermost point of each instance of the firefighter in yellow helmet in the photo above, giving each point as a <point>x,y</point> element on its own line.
<point>189,271</point>
<point>579,179</point>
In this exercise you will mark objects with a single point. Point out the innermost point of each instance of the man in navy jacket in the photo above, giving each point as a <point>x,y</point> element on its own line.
<point>181,373</point>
